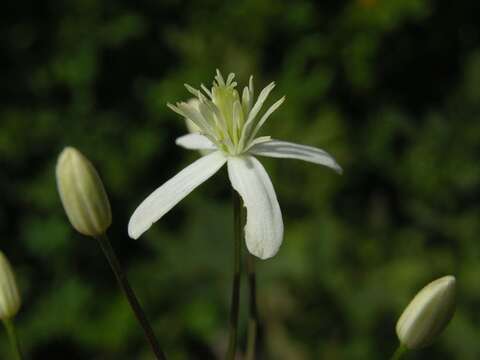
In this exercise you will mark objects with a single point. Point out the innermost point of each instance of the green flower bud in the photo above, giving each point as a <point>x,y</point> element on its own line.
<point>9,296</point>
<point>428,314</point>
<point>82,193</point>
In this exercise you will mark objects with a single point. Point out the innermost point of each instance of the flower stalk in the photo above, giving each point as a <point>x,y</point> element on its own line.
<point>237,255</point>
<point>13,339</point>
<point>401,350</point>
<point>130,295</point>
<point>253,320</point>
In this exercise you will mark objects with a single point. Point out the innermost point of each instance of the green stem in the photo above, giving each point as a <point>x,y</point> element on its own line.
<point>253,320</point>
<point>130,295</point>
<point>235,302</point>
<point>12,337</point>
<point>401,350</point>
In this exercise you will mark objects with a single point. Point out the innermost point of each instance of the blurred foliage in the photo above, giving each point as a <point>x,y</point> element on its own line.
<point>391,88</point>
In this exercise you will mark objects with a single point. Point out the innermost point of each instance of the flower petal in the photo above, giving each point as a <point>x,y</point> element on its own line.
<point>264,228</point>
<point>169,194</point>
<point>284,149</point>
<point>195,142</point>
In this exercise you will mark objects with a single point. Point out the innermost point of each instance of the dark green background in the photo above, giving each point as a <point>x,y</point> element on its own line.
<point>391,88</point>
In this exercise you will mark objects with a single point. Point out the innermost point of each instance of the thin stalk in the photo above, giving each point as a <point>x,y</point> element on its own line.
<point>130,295</point>
<point>13,339</point>
<point>253,319</point>
<point>235,302</point>
<point>401,350</point>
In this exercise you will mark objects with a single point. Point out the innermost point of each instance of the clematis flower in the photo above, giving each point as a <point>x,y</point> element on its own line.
<point>228,125</point>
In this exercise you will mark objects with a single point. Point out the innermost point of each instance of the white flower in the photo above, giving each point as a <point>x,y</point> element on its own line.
<point>228,126</point>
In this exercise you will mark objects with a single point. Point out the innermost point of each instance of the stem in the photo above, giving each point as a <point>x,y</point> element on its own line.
<point>253,319</point>
<point>234,307</point>
<point>401,350</point>
<point>12,337</point>
<point>130,295</point>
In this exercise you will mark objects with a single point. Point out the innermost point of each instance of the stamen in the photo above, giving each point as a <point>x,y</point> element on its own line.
<point>246,103</point>
<point>226,119</point>
<point>195,92</point>
<point>219,78</point>
<point>246,131</point>
<point>230,78</point>
<point>265,116</point>
<point>207,91</point>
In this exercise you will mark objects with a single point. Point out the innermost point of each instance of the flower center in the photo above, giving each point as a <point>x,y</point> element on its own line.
<point>226,119</point>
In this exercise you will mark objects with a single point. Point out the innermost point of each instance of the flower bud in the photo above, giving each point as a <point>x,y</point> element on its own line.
<point>9,296</point>
<point>428,313</point>
<point>83,195</point>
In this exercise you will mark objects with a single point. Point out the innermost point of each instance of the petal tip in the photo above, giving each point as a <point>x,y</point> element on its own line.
<point>134,231</point>
<point>261,253</point>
